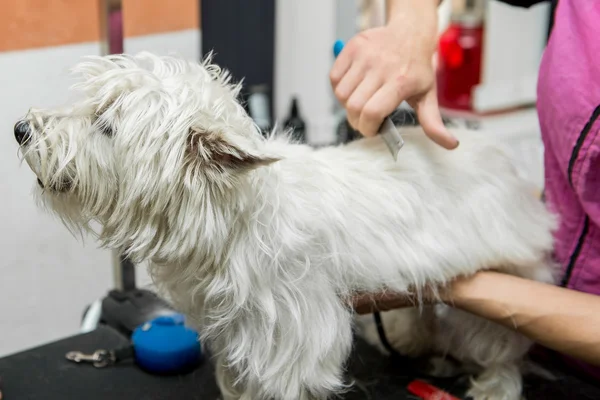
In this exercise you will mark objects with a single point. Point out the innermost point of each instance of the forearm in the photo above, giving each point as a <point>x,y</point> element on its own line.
<point>395,8</point>
<point>415,17</point>
<point>563,320</point>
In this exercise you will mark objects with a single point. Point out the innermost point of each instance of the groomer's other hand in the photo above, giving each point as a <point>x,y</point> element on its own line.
<point>380,68</point>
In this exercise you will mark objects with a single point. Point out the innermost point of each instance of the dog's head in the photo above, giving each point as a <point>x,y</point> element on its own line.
<point>149,135</point>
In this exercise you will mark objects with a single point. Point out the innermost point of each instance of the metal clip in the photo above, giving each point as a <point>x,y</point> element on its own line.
<point>391,137</point>
<point>100,358</point>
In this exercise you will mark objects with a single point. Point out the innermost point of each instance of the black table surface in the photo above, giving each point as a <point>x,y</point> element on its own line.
<point>43,373</point>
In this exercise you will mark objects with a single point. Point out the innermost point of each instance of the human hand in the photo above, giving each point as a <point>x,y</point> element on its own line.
<point>380,68</point>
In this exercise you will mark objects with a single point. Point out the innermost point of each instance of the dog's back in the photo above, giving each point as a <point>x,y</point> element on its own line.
<point>469,206</point>
<point>485,190</point>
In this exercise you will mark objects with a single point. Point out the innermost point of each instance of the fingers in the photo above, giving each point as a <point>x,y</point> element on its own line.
<point>349,82</point>
<point>340,67</point>
<point>428,112</point>
<point>359,98</point>
<point>375,72</point>
<point>378,107</point>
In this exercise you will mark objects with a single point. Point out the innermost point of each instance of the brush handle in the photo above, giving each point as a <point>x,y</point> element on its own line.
<point>337,48</point>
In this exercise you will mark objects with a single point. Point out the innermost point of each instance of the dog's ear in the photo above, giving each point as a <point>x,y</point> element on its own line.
<point>213,149</point>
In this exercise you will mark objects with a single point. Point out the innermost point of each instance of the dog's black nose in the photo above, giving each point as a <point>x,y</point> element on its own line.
<point>22,132</point>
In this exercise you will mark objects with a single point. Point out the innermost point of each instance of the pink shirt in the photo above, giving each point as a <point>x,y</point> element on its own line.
<point>569,111</point>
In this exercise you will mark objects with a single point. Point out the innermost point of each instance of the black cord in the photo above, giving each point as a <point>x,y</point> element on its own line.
<point>383,337</point>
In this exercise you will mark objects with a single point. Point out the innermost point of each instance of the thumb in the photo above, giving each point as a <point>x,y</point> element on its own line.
<point>428,113</point>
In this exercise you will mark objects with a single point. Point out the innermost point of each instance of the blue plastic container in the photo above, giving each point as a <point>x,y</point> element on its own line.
<point>166,346</point>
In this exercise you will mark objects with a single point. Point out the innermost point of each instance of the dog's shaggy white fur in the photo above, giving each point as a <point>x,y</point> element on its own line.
<point>262,241</point>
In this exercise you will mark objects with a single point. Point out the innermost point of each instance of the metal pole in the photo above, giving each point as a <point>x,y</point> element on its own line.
<point>123,272</point>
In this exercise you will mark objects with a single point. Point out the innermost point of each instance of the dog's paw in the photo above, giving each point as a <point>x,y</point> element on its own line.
<point>441,367</point>
<point>496,393</point>
<point>500,382</point>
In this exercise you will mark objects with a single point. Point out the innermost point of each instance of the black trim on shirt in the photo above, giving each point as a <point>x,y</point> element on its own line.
<point>573,259</point>
<point>580,140</point>
<point>522,3</point>
<point>586,223</point>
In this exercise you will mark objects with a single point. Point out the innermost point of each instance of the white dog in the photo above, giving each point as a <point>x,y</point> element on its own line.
<point>261,242</point>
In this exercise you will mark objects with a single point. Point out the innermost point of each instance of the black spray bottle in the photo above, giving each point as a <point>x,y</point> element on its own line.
<point>295,123</point>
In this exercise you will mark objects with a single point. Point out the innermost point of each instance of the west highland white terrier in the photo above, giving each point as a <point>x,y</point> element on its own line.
<point>261,242</point>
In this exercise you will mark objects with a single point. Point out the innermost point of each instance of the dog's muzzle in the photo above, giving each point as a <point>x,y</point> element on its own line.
<point>22,131</point>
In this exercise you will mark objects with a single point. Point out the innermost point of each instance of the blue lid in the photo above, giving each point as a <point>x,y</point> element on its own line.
<point>166,345</point>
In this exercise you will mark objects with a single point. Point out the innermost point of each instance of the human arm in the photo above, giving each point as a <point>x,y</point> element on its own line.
<point>560,319</point>
<point>563,320</point>
<point>380,68</point>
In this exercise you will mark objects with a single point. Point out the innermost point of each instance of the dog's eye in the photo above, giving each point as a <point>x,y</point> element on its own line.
<point>106,130</point>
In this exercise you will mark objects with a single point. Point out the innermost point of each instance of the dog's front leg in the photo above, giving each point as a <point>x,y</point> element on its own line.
<point>226,381</point>
<point>230,391</point>
<point>287,343</point>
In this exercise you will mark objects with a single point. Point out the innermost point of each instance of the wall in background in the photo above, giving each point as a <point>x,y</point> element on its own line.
<point>46,275</point>
<point>514,41</point>
<point>305,32</point>
<point>162,27</point>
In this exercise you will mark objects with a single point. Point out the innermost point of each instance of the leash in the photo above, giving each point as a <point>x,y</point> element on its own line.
<point>383,337</point>
<point>419,388</point>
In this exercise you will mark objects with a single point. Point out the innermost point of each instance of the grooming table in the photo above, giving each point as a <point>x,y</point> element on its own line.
<point>42,373</point>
